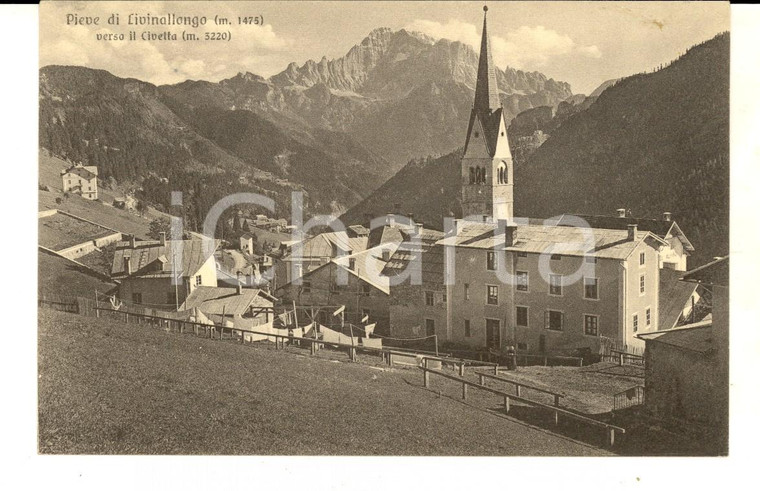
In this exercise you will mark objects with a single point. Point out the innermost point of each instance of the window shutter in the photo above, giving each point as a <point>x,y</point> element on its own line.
<point>546,319</point>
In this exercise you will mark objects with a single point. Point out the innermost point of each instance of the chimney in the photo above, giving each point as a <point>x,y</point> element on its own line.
<point>621,212</point>
<point>386,255</point>
<point>127,265</point>
<point>162,238</point>
<point>239,283</point>
<point>397,208</point>
<point>632,231</point>
<point>418,228</point>
<point>485,218</point>
<point>411,219</point>
<point>509,232</point>
<point>667,216</point>
<point>132,242</point>
<point>390,220</point>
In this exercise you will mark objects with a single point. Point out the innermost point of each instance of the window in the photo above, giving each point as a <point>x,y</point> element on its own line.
<point>522,281</point>
<point>445,298</point>
<point>429,299</point>
<point>472,175</point>
<point>556,257</point>
<point>522,346</point>
<point>306,288</point>
<point>493,295</point>
<point>553,320</point>
<point>649,317</point>
<point>591,325</point>
<point>503,173</point>
<point>429,327</point>
<point>555,284</point>
<point>491,261</point>
<point>493,333</point>
<point>635,322</point>
<point>137,298</point>
<point>467,331</point>
<point>198,280</point>
<point>641,284</point>
<point>642,258</point>
<point>521,316</point>
<point>466,291</point>
<point>590,288</point>
<point>352,263</point>
<point>365,289</point>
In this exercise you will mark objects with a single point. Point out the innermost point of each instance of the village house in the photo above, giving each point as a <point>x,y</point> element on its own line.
<point>686,368</point>
<point>146,269</point>
<point>673,254</point>
<point>81,179</point>
<point>566,291</point>
<point>354,281</point>
<point>298,258</point>
<point>246,243</point>
<point>416,310</point>
<point>222,305</point>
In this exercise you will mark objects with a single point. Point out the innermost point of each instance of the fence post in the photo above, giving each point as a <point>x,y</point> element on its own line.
<point>242,337</point>
<point>506,403</point>
<point>426,377</point>
<point>461,369</point>
<point>496,369</point>
<point>556,400</point>
<point>556,417</point>
<point>464,390</point>
<point>480,379</point>
<point>621,360</point>
<point>611,437</point>
<point>517,390</point>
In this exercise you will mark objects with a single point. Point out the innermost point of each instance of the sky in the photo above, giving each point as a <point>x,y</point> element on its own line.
<point>582,43</point>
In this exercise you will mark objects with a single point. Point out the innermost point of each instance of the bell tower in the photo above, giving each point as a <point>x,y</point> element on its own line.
<point>487,170</point>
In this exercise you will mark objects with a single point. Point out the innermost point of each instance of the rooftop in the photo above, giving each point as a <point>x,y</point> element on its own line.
<point>150,259</point>
<point>697,337</point>
<point>426,251</point>
<point>660,227</point>
<point>538,239</point>
<point>214,300</point>
<point>674,296</point>
<point>713,273</point>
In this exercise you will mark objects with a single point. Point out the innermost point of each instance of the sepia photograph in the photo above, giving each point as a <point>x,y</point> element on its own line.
<point>361,228</point>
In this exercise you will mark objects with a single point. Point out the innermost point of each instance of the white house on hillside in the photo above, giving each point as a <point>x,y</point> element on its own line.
<point>81,179</point>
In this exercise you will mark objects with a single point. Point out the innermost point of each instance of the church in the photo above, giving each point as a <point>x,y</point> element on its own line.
<point>493,280</point>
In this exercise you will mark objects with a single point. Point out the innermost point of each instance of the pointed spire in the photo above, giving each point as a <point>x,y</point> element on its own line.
<point>486,89</point>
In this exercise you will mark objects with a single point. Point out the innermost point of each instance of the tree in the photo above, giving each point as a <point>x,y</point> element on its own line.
<point>140,207</point>
<point>158,225</point>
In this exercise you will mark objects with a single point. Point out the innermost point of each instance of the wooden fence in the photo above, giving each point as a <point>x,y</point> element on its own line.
<point>508,398</point>
<point>624,358</point>
<point>628,398</point>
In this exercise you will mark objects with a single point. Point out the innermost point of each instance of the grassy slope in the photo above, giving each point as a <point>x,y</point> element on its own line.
<point>106,387</point>
<point>59,276</point>
<point>98,212</point>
